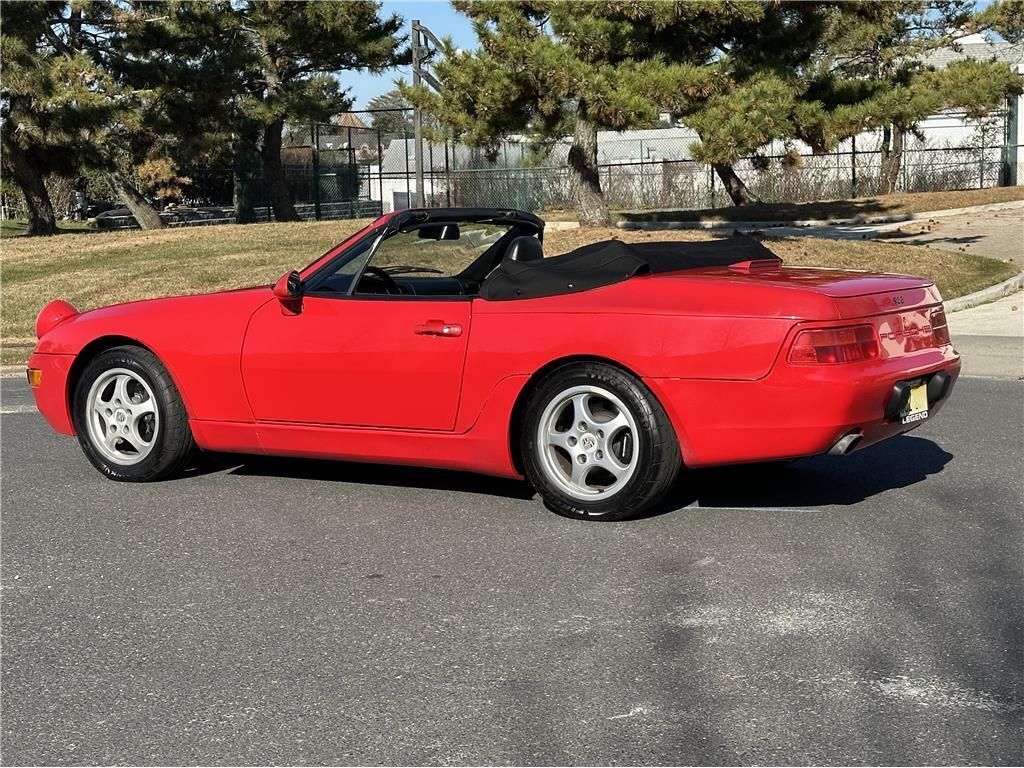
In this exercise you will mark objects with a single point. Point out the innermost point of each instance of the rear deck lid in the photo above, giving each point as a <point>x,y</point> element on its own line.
<point>841,283</point>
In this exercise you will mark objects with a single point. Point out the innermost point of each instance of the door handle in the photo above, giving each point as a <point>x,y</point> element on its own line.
<point>439,328</point>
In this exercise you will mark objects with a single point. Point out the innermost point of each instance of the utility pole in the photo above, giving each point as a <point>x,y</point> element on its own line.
<point>417,121</point>
<point>422,38</point>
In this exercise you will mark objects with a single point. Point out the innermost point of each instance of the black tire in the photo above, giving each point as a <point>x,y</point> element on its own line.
<point>172,446</point>
<point>658,456</point>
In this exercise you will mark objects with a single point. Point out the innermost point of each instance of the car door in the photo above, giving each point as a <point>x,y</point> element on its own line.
<point>357,361</point>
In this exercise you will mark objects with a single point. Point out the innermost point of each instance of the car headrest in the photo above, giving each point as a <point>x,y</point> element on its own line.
<point>525,248</point>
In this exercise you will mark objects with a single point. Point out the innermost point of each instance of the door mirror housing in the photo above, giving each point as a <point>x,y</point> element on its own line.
<point>288,287</point>
<point>288,290</point>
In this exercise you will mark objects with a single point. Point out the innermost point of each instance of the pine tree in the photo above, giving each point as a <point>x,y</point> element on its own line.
<point>871,73</point>
<point>757,65</point>
<point>549,68</point>
<point>1005,18</point>
<point>27,141</point>
<point>200,77</point>
<point>289,53</point>
<point>389,121</point>
<point>64,110</point>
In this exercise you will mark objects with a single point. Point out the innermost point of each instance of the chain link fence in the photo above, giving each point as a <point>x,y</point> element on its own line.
<point>363,165</point>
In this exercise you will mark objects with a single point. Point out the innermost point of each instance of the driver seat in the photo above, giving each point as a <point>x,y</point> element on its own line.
<point>525,248</point>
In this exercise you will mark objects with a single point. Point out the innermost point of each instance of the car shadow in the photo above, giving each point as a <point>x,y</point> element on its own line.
<point>381,474</point>
<point>813,482</point>
<point>804,484</point>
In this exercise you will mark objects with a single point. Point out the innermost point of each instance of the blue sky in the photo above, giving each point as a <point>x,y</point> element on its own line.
<point>437,16</point>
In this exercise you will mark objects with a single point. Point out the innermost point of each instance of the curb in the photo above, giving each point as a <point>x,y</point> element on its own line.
<point>747,225</point>
<point>985,295</point>
<point>12,371</point>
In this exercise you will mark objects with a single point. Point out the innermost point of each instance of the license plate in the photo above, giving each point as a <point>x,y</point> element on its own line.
<point>917,406</point>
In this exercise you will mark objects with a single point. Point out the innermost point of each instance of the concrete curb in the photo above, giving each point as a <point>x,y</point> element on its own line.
<point>985,295</point>
<point>12,371</point>
<point>748,225</point>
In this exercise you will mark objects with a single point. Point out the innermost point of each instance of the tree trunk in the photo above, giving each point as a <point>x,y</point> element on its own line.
<point>246,161</point>
<point>144,213</point>
<point>584,180</point>
<point>273,174</point>
<point>738,192</point>
<point>891,159</point>
<point>37,200</point>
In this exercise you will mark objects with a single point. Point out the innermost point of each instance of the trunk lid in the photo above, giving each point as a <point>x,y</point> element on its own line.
<point>834,283</point>
<point>905,312</point>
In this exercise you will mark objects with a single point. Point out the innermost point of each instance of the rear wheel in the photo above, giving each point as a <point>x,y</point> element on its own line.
<point>129,416</point>
<point>596,444</point>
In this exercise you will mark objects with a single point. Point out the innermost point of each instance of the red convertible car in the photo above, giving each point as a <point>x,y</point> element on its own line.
<point>444,338</point>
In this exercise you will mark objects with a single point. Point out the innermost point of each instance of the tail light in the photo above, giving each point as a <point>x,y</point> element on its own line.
<point>940,329</point>
<point>830,346</point>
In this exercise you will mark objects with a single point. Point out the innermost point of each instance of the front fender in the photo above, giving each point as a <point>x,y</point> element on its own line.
<point>197,338</point>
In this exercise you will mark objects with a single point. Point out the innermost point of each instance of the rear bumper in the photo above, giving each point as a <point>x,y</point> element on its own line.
<point>52,394</point>
<point>798,410</point>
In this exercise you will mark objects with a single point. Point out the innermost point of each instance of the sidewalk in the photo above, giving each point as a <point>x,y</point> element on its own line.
<point>996,234</point>
<point>990,338</point>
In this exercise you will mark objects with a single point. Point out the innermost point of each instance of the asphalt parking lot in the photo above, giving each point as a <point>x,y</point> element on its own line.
<point>866,609</point>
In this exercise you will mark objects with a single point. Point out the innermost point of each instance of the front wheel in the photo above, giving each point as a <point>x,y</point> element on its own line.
<point>129,417</point>
<point>596,444</point>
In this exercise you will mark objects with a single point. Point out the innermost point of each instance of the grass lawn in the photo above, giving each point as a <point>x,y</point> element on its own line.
<point>862,207</point>
<point>16,227</point>
<point>111,267</point>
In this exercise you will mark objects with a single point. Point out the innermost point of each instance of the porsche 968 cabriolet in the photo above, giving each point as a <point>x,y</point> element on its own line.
<point>445,338</point>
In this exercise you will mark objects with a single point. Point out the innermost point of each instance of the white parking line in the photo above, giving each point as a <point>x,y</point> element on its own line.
<point>698,505</point>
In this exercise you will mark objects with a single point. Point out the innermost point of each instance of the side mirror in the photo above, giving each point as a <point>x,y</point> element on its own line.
<point>288,289</point>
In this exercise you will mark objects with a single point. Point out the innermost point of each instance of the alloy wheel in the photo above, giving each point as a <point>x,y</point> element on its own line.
<point>587,440</point>
<point>122,417</point>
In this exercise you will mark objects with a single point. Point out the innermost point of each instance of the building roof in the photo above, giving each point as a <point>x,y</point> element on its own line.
<point>349,119</point>
<point>976,47</point>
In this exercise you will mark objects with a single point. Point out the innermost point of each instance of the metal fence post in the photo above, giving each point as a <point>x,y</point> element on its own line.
<point>408,191</point>
<point>433,181</point>
<point>380,170</point>
<point>447,177</point>
<point>316,170</point>
<point>981,158</point>
<point>353,172</point>
<point>853,165</point>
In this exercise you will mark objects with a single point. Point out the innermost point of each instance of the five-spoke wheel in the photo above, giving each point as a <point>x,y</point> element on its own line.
<point>129,417</point>
<point>589,441</point>
<point>597,444</point>
<point>124,421</point>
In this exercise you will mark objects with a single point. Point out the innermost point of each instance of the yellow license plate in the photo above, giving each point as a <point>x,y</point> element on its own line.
<point>917,406</point>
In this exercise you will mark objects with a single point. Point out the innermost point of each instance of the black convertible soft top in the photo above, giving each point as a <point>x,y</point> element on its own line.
<point>612,261</point>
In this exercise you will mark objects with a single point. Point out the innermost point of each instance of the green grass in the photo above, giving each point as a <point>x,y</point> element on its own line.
<point>17,227</point>
<point>858,208</point>
<point>110,267</point>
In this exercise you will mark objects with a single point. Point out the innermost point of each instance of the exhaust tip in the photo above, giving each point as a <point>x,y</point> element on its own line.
<point>845,444</point>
